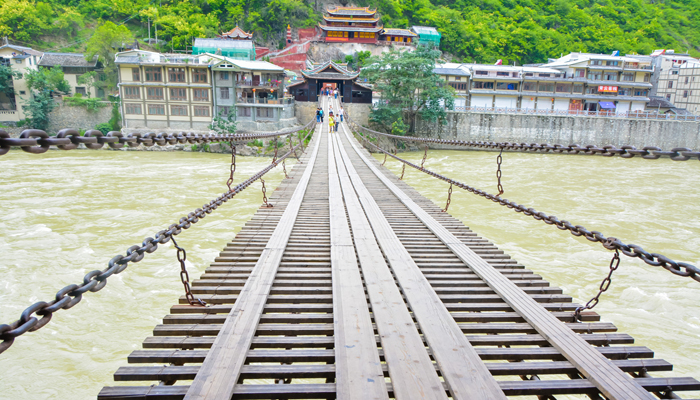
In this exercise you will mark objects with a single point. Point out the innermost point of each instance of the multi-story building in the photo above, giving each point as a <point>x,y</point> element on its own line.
<point>23,59</point>
<point>612,83</point>
<point>351,24</point>
<point>577,82</point>
<point>427,35</point>
<point>680,84</point>
<point>457,76</point>
<point>73,65</point>
<point>176,91</point>
<point>663,60</point>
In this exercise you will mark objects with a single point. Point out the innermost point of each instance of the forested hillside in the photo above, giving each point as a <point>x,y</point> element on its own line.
<point>521,31</point>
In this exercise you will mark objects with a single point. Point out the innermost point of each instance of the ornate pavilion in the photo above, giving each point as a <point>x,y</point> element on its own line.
<point>330,75</point>
<point>351,24</point>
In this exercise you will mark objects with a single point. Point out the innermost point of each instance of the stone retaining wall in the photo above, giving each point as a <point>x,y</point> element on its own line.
<point>65,116</point>
<point>565,130</point>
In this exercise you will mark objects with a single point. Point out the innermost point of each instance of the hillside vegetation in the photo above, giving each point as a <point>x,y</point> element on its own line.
<point>521,31</point>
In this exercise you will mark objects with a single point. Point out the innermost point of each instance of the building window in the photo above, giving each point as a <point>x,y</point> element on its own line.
<point>22,92</point>
<point>176,74</point>
<point>200,111</point>
<point>686,79</point>
<point>178,111</point>
<point>266,112</point>
<point>481,72</point>
<point>244,111</point>
<point>563,88</point>
<point>578,89</point>
<point>458,78</point>
<point>674,72</point>
<point>224,111</point>
<point>502,74</point>
<point>156,109</point>
<point>80,90</point>
<point>18,61</point>
<point>628,77</point>
<point>580,73</point>
<point>646,77</point>
<point>154,74</point>
<point>224,93</point>
<point>529,74</point>
<point>612,63</point>
<point>200,94</point>
<point>135,74</point>
<point>482,85</point>
<point>546,87</point>
<point>596,62</point>
<point>459,86</point>
<point>640,92</point>
<point>178,94</point>
<point>506,86</point>
<point>133,108</point>
<point>670,84</point>
<point>131,92</point>
<point>611,77</point>
<point>544,75</point>
<point>529,87</point>
<point>223,75</point>
<point>154,93</point>
<point>595,76</point>
<point>199,75</point>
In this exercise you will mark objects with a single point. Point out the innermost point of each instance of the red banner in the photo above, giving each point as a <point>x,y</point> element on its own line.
<point>607,89</point>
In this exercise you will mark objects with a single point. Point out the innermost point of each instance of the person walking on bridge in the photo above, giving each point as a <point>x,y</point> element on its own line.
<point>341,112</point>
<point>319,112</point>
<point>331,122</point>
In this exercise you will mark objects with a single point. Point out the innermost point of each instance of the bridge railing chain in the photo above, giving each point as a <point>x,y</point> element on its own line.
<point>95,280</point>
<point>36,141</point>
<point>647,152</point>
<point>610,243</point>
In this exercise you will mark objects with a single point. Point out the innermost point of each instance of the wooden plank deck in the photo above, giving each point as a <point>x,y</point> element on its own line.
<point>354,286</point>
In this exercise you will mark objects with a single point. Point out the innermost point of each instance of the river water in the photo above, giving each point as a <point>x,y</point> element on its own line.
<point>63,214</point>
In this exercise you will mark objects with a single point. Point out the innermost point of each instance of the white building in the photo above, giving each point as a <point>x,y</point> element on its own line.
<point>20,59</point>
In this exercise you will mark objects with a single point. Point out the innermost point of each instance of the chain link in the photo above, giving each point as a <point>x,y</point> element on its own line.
<point>95,280</point>
<point>647,152</point>
<point>185,277</point>
<point>604,285</point>
<point>229,182</point>
<point>284,168</point>
<point>499,160</point>
<point>449,199</point>
<point>403,171</point>
<point>264,193</point>
<point>384,162</point>
<point>425,155</point>
<point>36,141</point>
<point>630,250</point>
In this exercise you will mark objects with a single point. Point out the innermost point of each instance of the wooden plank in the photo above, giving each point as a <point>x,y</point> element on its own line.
<point>327,390</point>
<point>409,364</point>
<point>459,364</point>
<point>358,368</point>
<point>220,370</point>
<point>610,380</point>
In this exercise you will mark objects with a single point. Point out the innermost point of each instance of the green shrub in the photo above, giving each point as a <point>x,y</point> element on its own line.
<point>104,127</point>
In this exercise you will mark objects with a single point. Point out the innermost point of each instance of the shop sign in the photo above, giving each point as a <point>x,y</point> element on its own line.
<point>607,89</point>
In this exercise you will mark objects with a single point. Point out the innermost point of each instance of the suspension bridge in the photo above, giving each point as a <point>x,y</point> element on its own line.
<point>349,284</point>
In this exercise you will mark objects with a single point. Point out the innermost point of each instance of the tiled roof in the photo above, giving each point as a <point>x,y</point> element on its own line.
<point>67,60</point>
<point>236,33</point>
<point>399,32</point>
<point>351,11</point>
<point>350,28</point>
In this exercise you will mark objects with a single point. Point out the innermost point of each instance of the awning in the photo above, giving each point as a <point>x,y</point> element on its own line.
<point>607,104</point>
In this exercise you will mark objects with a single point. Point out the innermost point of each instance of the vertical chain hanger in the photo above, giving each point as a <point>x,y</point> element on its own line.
<point>229,182</point>
<point>604,286</point>
<point>449,198</point>
<point>185,277</point>
<point>499,160</point>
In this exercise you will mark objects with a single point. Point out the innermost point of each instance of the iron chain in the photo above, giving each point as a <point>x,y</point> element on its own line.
<point>630,250</point>
<point>449,199</point>
<point>95,280</point>
<point>604,285</point>
<point>229,182</point>
<point>185,277</point>
<point>499,160</point>
<point>647,152</point>
<point>36,141</point>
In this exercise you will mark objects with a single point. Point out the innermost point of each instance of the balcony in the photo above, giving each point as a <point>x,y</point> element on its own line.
<point>258,84</point>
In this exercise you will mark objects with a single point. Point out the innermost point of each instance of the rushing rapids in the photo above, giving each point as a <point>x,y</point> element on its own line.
<point>66,213</point>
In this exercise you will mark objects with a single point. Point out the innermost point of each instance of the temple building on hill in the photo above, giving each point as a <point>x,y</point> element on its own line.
<point>236,44</point>
<point>351,24</point>
<point>392,35</point>
<point>330,75</point>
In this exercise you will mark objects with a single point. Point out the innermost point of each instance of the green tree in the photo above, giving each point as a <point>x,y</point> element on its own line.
<point>42,83</point>
<point>409,88</point>
<point>7,88</point>
<point>225,125</point>
<point>104,43</point>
